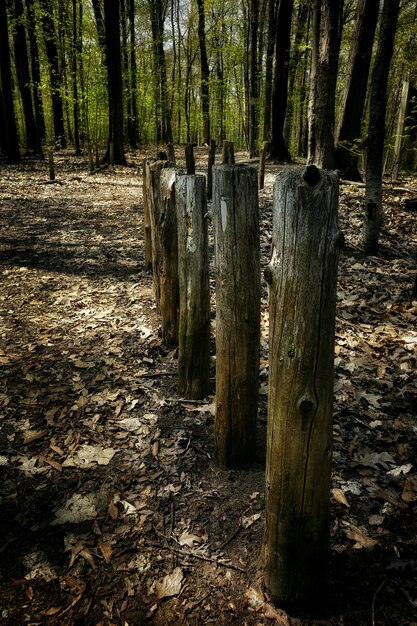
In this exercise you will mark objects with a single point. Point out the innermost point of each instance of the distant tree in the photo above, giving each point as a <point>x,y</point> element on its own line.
<point>353,105</point>
<point>158,9</point>
<point>76,57</point>
<point>278,148</point>
<point>269,66</point>
<point>327,19</point>
<point>376,129</point>
<point>35,70</point>
<point>33,139</point>
<point>51,48</point>
<point>205,72</point>
<point>9,138</point>
<point>115,152</point>
<point>253,77</point>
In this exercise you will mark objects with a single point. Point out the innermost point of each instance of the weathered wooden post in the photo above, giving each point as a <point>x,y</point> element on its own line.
<point>262,161</point>
<point>163,219</point>
<point>147,232</point>
<point>302,294</point>
<point>210,164</point>
<point>237,251</point>
<point>171,154</point>
<point>193,275</point>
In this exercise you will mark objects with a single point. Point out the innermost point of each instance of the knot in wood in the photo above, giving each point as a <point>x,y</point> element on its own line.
<point>312,175</point>
<point>306,407</point>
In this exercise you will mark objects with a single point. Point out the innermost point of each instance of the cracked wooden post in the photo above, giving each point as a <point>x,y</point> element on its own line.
<point>302,295</point>
<point>193,275</point>
<point>237,251</point>
<point>147,233</point>
<point>164,247</point>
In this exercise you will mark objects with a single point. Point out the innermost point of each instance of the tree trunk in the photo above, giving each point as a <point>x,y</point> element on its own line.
<point>376,130</point>
<point>147,202</point>
<point>205,73</point>
<point>237,252</point>
<point>349,133</point>
<point>194,288</point>
<point>253,78</point>
<point>10,141</point>
<point>400,129</point>
<point>325,55</point>
<point>278,148</point>
<point>76,52</point>
<point>133,127</point>
<point>114,80</point>
<point>35,70</point>
<point>33,143</point>
<point>302,295</point>
<point>51,49</point>
<point>269,65</point>
<point>164,129</point>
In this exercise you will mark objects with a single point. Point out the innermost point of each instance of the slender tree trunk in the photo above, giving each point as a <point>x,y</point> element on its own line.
<point>205,73</point>
<point>54,72</point>
<point>325,56</point>
<point>278,147</point>
<point>23,78</point>
<point>115,84</point>
<point>269,66</point>
<point>164,129</point>
<point>134,132</point>
<point>376,130</point>
<point>35,71</point>
<point>126,73</point>
<point>253,78</point>
<point>349,132</point>
<point>76,36</point>
<point>10,141</point>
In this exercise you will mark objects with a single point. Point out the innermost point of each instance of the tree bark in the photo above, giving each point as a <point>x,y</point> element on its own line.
<point>164,128</point>
<point>302,295</point>
<point>349,132</point>
<point>376,129</point>
<point>278,148</point>
<point>35,69</point>
<point>147,201</point>
<point>194,288</point>
<point>269,65</point>
<point>51,49</point>
<point>253,78</point>
<point>10,141</point>
<point>325,55</point>
<point>205,73</point>
<point>237,252</point>
<point>115,152</point>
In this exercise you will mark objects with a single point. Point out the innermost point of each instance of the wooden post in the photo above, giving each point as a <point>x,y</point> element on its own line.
<point>193,275</point>
<point>51,165</point>
<point>211,162</point>
<point>228,155</point>
<point>147,232</point>
<point>171,154</point>
<point>161,155</point>
<point>237,252</point>
<point>189,158</point>
<point>262,160</point>
<point>302,294</point>
<point>165,248</point>
<point>90,160</point>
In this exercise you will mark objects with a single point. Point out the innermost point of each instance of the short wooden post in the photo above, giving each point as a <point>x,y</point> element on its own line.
<point>262,161</point>
<point>171,154</point>
<point>302,294</point>
<point>51,164</point>
<point>189,159</point>
<point>228,155</point>
<point>165,248</point>
<point>237,252</point>
<point>211,162</point>
<point>193,276</point>
<point>147,232</point>
<point>90,160</point>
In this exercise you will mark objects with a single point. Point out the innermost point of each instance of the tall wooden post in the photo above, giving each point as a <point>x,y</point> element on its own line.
<point>147,233</point>
<point>165,248</point>
<point>237,252</point>
<point>302,277</point>
<point>193,276</point>
<point>210,165</point>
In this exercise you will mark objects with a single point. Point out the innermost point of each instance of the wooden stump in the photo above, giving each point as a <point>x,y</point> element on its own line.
<point>147,232</point>
<point>193,274</point>
<point>237,252</point>
<point>302,277</point>
<point>165,248</point>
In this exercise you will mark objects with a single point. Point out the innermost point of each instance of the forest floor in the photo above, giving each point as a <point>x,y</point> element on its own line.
<point>112,510</point>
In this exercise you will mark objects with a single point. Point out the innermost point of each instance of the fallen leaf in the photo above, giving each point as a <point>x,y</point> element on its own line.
<point>374,459</point>
<point>171,584</point>
<point>280,617</point>
<point>87,456</point>
<point>52,611</point>
<point>106,550</point>
<point>360,537</point>
<point>33,435</point>
<point>76,510</point>
<point>256,598</point>
<point>409,493</point>
<point>188,539</point>
<point>339,496</point>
